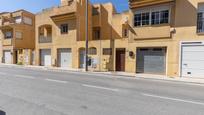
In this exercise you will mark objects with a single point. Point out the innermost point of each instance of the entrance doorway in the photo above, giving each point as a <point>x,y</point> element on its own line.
<point>120,59</point>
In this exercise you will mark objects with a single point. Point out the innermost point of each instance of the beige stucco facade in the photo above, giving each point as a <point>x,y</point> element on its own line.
<point>17,37</point>
<point>182,27</point>
<point>115,42</point>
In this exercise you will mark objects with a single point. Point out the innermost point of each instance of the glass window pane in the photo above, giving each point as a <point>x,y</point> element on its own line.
<point>137,20</point>
<point>155,18</point>
<point>164,17</point>
<point>145,19</point>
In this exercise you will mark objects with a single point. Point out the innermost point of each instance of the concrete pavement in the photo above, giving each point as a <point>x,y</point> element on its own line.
<point>42,92</point>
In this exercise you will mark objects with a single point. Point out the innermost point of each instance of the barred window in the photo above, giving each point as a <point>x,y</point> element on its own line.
<point>92,51</point>
<point>200,22</point>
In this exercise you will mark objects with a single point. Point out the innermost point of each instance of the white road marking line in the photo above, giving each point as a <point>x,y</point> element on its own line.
<point>25,76</point>
<point>58,81</point>
<point>173,99</point>
<point>99,87</point>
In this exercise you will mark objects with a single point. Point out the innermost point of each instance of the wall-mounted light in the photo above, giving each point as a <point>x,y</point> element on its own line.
<point>131,53</point>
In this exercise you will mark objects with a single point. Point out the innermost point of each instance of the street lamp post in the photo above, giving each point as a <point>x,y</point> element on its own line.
<point>87,37</point>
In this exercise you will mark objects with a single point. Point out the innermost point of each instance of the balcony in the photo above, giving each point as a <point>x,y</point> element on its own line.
<point>45,39</point>
<point>67,11</point>
<point>153,32</point>
<point>6,21</point>
<point>142,3</point>
<point>45,33</point>
<point>7,42</point>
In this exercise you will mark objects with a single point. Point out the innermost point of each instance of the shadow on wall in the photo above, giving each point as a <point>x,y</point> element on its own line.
<point>186,13</point>
<point>109,30</point>
<point>2,113</point>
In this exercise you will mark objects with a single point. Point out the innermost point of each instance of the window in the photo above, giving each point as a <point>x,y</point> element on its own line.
<point>155,18</point>
<point>160,17</point>
<point>92,51</point>
<point>164,17</point>
<point>152,17</point>
<point>125,32</point>
<point>18,19</point>
<point>8,35</point>
<point>107,51</point>
<point>95,11</point>
<point>64,28</point>
<point>96,33</point>
<point>138,18</point>
<point>27,20</point>
<point>200,22</point>
<point>145,19</point>
<point>141,19</point>
<point>19,35</point>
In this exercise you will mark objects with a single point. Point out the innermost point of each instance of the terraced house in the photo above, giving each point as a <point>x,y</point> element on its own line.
<point>162,37</point>
<point>60,35</point>
<point>166,37</point>
<point>17,37</point>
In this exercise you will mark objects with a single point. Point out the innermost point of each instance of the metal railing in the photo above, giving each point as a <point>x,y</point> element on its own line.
<point>45,39</point>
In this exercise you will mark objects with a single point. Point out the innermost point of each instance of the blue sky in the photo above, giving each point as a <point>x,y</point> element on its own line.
<point>37,5</point>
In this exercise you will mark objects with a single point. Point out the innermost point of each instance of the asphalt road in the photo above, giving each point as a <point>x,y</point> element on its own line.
<point>41,92</point>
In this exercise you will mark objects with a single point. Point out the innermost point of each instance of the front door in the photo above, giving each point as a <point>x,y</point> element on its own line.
<point>120,59</point>
<point>7,57</point>
<point>82,58</point>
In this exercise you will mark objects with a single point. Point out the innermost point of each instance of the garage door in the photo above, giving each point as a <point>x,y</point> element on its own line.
<point>45,55</point>
<point>192,62</point>
<point>7,57</point>
<point>65,58</point>
<point>151,60</point>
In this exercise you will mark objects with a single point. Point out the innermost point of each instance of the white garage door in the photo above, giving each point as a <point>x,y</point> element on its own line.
<point>65,58</point>
<point>192,62</point>
<point>7,57</point>
<point>45,57</point>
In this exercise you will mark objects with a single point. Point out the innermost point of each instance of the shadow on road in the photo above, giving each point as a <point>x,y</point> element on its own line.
<point>2,113</point>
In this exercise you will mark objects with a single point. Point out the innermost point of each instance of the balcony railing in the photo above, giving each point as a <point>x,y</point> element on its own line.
<point>45,39</point>
<point>7,42</point>
<point>61,10</point>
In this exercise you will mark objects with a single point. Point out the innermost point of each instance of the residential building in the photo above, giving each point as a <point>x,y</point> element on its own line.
<point>166,37</point>
<point>60,35</point>
<point>17,38</point>
<point>163,37</point>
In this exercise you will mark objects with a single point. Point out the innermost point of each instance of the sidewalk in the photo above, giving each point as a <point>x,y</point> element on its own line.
<point>116,74</point>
